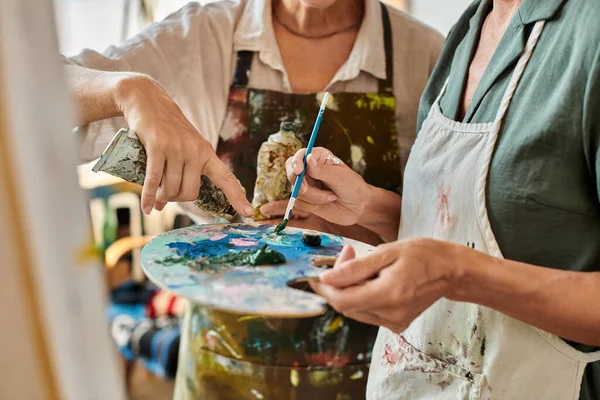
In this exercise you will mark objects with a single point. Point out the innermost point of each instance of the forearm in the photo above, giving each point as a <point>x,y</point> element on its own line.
<point>96,93</point>
<point>382,213</point>
<point>560,302</point>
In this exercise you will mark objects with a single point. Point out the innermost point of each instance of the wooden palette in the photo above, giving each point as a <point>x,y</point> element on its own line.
<point>254,290</point>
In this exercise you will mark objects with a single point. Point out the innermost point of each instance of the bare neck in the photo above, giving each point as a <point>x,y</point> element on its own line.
<point>503,11</point>
<point>316,21</point>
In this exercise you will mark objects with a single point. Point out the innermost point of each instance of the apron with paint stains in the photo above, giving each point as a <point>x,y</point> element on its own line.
<point>359,128</point>
<point>459,350</point>
<point>231,357</point>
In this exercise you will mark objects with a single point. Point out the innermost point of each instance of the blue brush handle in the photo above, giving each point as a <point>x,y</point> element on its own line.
<point>309,147</point>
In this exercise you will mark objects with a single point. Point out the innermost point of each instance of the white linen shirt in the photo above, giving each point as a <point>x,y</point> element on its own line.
<point>192,53</point>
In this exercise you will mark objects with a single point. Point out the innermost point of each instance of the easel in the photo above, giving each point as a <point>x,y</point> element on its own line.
<point>53,343</point>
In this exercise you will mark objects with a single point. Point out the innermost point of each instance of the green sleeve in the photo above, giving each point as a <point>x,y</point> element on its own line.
<point>591,123</point>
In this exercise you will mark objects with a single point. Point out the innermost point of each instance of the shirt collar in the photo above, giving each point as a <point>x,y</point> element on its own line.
<point>254,32</point>
<point>538,10</point>
<point>530,11</point>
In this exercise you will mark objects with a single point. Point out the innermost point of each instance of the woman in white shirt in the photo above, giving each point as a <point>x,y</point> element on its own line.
<point>216,80</point>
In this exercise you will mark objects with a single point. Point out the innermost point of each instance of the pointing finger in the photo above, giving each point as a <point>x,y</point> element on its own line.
<point>226,180</point>
<point>346,254</point>
<point>316,196</point>
<point>359,269</point>
<point>354,298</point>
<point>154,172</point>
<point>298,161</point>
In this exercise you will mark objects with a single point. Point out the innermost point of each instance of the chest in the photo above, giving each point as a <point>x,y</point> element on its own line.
<point>491,35</point>
<point>311,64</point>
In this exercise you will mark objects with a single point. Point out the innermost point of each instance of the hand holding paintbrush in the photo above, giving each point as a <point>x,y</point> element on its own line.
<point>288,212</point>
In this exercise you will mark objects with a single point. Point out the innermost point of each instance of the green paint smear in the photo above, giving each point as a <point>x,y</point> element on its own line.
<point>376,102</point>
<point>172,260</point>
<point>281,226</point>
<point>264,255</point>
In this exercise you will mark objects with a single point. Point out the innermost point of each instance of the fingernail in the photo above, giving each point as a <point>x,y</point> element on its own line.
<point>248,210</point>
<point>331,197</point>
<point>295,168</point>
<point>147,210</point>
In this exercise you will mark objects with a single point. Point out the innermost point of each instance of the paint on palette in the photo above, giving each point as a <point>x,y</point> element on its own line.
<point>188,253</point>
<point>224,276</point>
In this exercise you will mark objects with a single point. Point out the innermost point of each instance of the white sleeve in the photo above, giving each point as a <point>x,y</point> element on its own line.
<point>189,53</point>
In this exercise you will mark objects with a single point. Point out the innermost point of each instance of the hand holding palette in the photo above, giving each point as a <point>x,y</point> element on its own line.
<point>242,268</point>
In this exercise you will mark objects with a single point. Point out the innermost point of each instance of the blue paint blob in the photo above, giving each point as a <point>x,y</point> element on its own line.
<point>290,245</point>
<point>174,260</point>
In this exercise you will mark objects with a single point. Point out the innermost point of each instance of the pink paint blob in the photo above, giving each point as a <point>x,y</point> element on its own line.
<point>243,242</point>
<point>390,357</point>
<point>218,236</point>
<point>444,216</point>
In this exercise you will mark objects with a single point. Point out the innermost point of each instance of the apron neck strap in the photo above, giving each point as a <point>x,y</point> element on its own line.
<point>516,76</point>
<point>518,72</point>
<point>241,75</point>
<point>386,86</point>
<point>439,97</point>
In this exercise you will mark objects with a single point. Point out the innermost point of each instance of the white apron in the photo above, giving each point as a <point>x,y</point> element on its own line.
<point>459,350</point>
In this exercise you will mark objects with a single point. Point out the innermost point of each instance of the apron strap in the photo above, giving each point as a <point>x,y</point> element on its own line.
<point>439,97</point>
<point>518,72</point>
<point>386,86</point>
<point>515,78</point>
<point>241,75</point>
<point>495,131</point>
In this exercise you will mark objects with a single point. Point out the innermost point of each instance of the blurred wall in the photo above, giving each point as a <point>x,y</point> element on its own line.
<point>440,14</point>
<point>98,23</point>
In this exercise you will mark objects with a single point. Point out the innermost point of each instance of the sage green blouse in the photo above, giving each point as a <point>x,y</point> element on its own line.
<point>544,183</point>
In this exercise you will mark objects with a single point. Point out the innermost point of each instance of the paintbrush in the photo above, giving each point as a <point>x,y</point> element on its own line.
<point>288,212</point>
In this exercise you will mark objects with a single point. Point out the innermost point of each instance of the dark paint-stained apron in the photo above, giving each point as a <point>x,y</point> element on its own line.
<point>232,357</point>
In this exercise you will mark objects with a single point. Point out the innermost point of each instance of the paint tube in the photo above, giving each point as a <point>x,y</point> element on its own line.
<point>125,158</point>
<point>271,178</point>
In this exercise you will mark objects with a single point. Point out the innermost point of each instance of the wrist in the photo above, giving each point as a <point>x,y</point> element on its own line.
<point>469,277</point>
<point>127,89</point>
<point>366,211</point>
<point>381,213</point>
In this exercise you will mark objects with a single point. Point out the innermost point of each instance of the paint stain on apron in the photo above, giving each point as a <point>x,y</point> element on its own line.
<point>457,350</point>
